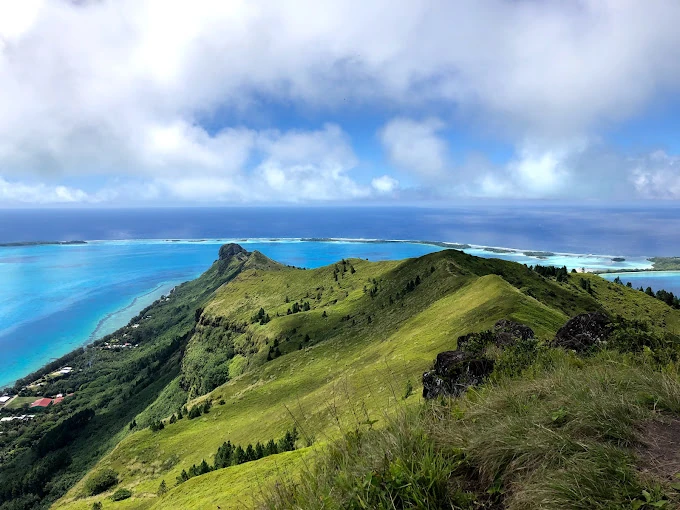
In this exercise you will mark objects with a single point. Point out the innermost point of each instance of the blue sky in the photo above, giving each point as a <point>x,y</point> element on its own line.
<point>148,102</point>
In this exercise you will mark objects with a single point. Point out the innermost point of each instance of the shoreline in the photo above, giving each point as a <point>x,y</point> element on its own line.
<point>116,319</point>
<point>500,250</point>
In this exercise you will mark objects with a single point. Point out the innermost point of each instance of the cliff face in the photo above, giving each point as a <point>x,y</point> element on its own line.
<point>227,251</point>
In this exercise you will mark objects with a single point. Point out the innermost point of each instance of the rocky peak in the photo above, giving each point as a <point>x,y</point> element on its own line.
<point>227,251</point>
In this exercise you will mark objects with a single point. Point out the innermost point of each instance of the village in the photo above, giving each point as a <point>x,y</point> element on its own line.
<point>21,402</point>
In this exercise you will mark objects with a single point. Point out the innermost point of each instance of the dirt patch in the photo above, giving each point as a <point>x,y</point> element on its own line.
<point>659,449</point>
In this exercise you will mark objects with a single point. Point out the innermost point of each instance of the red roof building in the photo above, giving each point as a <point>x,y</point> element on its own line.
<point>41,402</point>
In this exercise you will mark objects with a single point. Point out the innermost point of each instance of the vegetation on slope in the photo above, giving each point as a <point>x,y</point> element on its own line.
<point>571,433</point>
<point>41,458</point>
<point>335,366</point>
<point>357,337</point>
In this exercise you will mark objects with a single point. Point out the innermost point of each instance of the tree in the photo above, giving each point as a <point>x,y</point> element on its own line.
<point>97,505</point>
<point>324,314</point>
<point>203,468</point>
<point>259,450</point>
<point>250,453</point>
<point>162,488</point>
<point>223,457</point>
<point>239,455</point>
<point>183,477</point>
<point>271,448</point>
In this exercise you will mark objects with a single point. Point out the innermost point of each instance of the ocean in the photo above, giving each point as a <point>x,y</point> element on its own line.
<point>54,298</point>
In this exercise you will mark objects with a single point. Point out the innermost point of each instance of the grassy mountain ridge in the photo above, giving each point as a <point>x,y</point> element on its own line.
<point>342,362</point>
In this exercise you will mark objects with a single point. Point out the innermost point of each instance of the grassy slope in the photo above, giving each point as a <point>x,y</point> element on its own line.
<point>621,300</point>
<point>354,374</point>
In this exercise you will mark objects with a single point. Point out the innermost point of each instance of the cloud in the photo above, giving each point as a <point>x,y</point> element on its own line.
<point>385,184</point>
<point>160,92</point>
<point>23,193</point>
<point>657,176</point>
<point>415,146</point>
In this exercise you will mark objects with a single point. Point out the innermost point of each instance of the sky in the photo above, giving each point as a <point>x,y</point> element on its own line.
<point>158,102</point>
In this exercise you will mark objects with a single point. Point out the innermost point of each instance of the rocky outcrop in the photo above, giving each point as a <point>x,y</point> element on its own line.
<point>582,332</point>
<point>504,334</point>
<point>454,372</point>
<point>227,251</point>
<point>509,332</point>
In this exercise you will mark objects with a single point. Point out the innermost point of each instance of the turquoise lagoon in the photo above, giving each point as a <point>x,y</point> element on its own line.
<point>54,298</point>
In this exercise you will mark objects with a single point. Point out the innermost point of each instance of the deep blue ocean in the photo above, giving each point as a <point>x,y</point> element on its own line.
<point>54,298</point>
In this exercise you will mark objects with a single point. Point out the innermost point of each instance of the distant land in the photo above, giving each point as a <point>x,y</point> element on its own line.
<point>40,243</point>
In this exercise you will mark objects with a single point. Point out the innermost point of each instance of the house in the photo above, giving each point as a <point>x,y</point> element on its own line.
<point>42,402</point>
<point>4,399</point>
<point>23,417</point>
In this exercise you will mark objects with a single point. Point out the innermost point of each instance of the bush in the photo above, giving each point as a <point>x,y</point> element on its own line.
<point>409,389</point>
<point>162,488</point>
<point>99,482</point>
<point>121,494</point>
<point>97,505</point>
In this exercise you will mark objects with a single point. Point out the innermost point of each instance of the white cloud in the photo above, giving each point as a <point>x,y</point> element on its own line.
<point>385,184</point>
<point>416,146</point>
<point>124,88</point>
<point>657,176</point>
<point>299,165</point>
<point>12,193</point>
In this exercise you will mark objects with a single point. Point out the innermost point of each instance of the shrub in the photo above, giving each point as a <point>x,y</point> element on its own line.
<point>97,505</point>
<point>409,389</point>
<point>101,481</point>
<point>121,494</point>
<point>162,488</point>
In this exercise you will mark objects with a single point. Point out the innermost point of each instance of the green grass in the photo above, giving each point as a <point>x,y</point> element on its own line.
<point>630,303</point>
<point>349,378</point>
<point>560,437</point>
<point>20,402</point>
<point>351,372</point>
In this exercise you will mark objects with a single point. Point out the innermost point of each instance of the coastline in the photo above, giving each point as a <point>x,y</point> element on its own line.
<point>539,255</point>
<point>120,317</point>
<point>117,319</point>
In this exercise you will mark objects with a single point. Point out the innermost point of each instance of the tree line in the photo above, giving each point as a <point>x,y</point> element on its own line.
<point>232,455</point>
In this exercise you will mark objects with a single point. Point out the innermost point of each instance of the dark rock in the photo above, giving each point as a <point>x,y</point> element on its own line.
<point>227,251</point>
<point>454,372</point>
<point>508,332</point>
<point>582,332</point>
<point>505,333</point>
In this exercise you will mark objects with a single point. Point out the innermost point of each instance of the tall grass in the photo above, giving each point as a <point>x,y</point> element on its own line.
<point>560,436</point>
